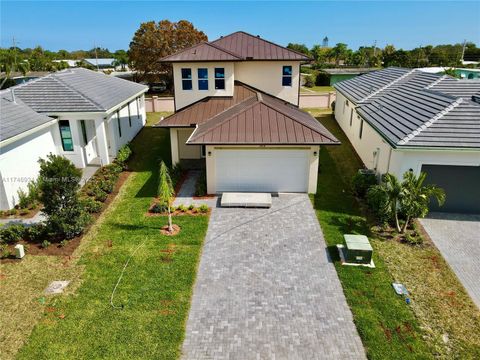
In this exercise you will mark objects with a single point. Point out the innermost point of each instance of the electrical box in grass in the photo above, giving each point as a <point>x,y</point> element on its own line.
<point>357,249</point>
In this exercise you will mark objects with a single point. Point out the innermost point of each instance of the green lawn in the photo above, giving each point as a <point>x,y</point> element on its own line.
<point>157,285</point>
<point>388,328</point>
<point>316,89</point>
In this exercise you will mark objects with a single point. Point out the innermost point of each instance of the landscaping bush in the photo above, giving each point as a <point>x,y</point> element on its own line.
<point>201,185</point>
<point>110,171</point>
<point>91,205</point>
<point>309,81</point>
<point>12,234</point>
<point>59,182</point>
<point>123,155</point>
<point>362,181</point>
<point>99,194</point>
<point>323,79</point>
<point>36,232</point>
<point>105,185</point>
<point>159,208</point>
<point>176,173</point>
<point>28,199</point>
<point>203,208</point>
<point>377,201</point>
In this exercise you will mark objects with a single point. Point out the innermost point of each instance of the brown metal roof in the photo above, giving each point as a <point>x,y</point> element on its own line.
<point>252,117</point>
<point>239,46</point>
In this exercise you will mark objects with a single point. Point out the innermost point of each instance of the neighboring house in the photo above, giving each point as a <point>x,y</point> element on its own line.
<point>402,119</point>
<point>70,63</point>
<point>336,75</point>
<point>102,63</point>
<point>236,101</point>
<point>81,114</point>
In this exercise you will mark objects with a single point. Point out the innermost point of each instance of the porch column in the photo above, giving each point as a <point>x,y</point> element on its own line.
<point>174,146</point>
<point>102,144</point>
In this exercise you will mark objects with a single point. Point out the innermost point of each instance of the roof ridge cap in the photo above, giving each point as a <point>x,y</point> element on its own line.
<point>225,50</point>
<point>386,86</point>
<point>440,79</point>
<point>295,120</point>
<point>430,122</point>
<point>99,107</point>
<point>223,121</point>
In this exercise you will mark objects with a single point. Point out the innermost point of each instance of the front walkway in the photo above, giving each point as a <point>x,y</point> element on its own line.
<point>265,289</point>
<point>186,193</point>
<point>458,239</point>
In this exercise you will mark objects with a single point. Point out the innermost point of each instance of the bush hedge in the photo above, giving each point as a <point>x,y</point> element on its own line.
<point>362,181</point>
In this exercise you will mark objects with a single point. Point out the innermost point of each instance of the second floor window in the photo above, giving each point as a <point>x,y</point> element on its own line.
<point>203,79</point>
<point>287,76</point>
<point>187,79</point>
<point>220,78</point>
<point>66,135</point>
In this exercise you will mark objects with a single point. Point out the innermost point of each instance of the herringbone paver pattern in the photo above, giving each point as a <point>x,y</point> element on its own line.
<point>457,237</point>
<point>266,290</point>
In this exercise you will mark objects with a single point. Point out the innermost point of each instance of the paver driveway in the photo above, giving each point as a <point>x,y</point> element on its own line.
<point>266,290</point>
<point>458,239</point>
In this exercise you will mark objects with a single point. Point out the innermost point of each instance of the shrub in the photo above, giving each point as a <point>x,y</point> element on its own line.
<point>105,185</point>
<point>99,194</point>
<point>176,174</point>
<point>323,79</point>
<point>377,201</point>
<point>309,81</point>
<point>182,208</point>
<point>159,208</point>
<point>29,198</point>
<point>45,244</point>
<point>413,239</point>
<point>203,208</point>
<point>123,155</point>
<point>36,232</point>
<point>90,205</point>
<point>362,181</point>
<point>59,182</point>
<point>11,234</point>
<point>23,199</point>
<point>201,185</point>
<point>64,243</point>
<point>191,207</point>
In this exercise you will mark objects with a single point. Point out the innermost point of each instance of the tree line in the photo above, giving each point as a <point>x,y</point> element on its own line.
<point>373,56</point>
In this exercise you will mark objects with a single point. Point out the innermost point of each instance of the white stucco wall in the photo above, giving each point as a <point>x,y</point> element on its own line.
<point>267,76</point>
<point>187,97</point>
<point>377,154</point>
<point>19,163</point>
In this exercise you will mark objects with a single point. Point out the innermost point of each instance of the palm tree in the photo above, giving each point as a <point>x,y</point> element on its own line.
<point>416,196</point>
<point>165,191</point>
<point>391,188</point>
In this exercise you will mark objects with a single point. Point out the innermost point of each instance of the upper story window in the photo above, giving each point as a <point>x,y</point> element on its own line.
<point>66,135</point>
<point>202,79</point>
<point>287,76</point>
<point>187,79</point>
<point>220,78</point>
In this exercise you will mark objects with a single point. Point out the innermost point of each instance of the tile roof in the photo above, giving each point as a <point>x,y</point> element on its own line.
<point>76,90</point>
<point>249,118</point>
<point>16,117</point>
<point>239,46</point>
<point>417,108</point>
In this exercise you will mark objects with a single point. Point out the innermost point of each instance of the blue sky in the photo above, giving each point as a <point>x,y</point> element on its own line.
<point>406,24</point>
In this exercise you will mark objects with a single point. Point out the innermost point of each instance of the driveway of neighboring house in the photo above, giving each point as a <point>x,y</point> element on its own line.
<point>265,288</point>
<point>458,239</point>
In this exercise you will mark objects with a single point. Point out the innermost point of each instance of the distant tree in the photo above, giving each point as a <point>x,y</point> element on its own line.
<point>10,63</point>
<point>165,191</point>
<point>121,59</point>
<point>321,55</point>
<point>339,52</point>
<point>301,48</point>
<point>153,41</point>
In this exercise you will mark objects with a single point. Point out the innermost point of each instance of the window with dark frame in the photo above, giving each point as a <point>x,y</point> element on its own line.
<point>119,124</point>
<point>187,79</point>
<point>129,116</point>
<point>361,129</point>
<point>204,151</point>
<point>84,132</point>
<point>66,135</point>
<point>351,117</point>
<point>137,101</point>
<point>202,78</point>
<point>287,75</point>
<point>219,78</point>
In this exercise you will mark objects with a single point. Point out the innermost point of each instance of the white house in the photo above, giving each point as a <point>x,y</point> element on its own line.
<point>83,115</point>
<point>236,101</point>
<point>403,119</point>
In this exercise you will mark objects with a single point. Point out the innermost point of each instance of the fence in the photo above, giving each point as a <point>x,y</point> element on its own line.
<point>318,100</point>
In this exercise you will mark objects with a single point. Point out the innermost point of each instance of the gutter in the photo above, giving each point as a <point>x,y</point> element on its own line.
<point>26,133</point>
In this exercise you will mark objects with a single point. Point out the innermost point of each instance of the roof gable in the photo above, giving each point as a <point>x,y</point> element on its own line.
<point>239,46</point>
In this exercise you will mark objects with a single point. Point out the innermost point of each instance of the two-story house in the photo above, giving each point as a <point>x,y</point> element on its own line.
<point>236,102</point>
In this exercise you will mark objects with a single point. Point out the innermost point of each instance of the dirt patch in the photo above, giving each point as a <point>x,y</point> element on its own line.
<point>67,249</point>
<point>28,215</point>
<point>194,212</point>
<point>204,197</point>
<point>164,230</point>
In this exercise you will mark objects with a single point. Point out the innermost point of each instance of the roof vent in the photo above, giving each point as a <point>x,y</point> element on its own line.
<point>13,96</point>
<point>249,57</point>
<point>258,36</point>
<point>476,98</point>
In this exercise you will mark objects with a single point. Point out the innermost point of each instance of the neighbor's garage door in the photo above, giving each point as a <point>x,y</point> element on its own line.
<point>461,185</point>
<point>262,170</point>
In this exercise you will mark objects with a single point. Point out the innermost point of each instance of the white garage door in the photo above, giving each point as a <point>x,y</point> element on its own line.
<point>262,170</point>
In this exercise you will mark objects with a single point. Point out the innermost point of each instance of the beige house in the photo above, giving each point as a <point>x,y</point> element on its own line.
<point>236,102</point>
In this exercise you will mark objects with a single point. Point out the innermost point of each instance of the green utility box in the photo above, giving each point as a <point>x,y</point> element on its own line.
<point>357,249</point>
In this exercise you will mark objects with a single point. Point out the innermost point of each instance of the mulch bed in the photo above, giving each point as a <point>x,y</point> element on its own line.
<point>204,197</point>
<point>29,215</point>
<point>55,248</point>
<point>175,228</point>
<point>177,212</point>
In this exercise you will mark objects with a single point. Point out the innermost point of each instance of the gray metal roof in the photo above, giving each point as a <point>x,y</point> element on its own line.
<point>417,108</point>
<point>76,90</point>
<point>16,117</point>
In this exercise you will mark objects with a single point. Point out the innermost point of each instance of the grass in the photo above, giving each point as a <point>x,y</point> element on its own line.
<point>316,89</point>
<point>156,288</point>
<point>390,328</point>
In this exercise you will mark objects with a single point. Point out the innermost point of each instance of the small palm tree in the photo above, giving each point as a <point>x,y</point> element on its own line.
<point>392,189</point>
<point>416,196</point>
<point>165,191</point>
